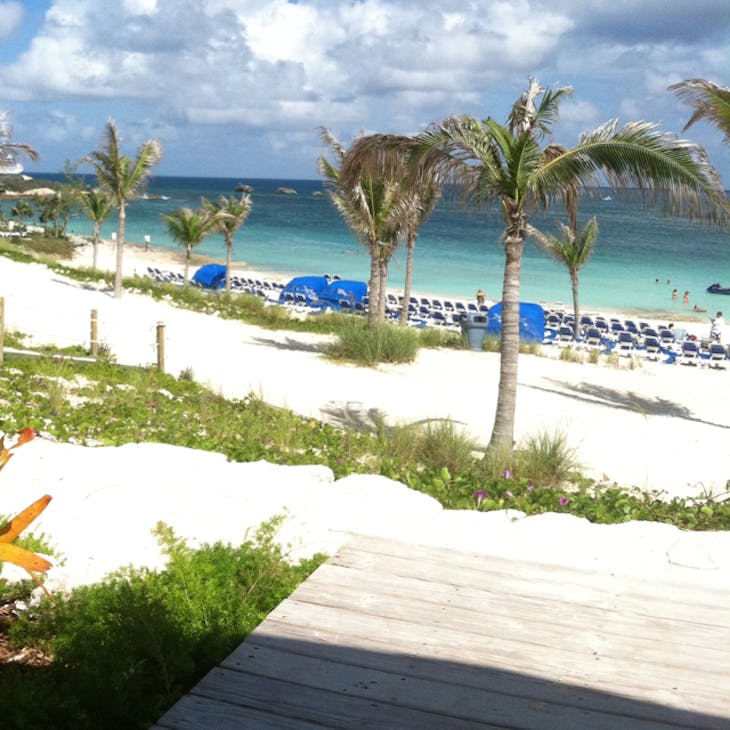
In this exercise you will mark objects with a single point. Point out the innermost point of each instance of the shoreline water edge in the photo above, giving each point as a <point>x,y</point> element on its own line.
<point>640,258</point>
<point>139,258</point>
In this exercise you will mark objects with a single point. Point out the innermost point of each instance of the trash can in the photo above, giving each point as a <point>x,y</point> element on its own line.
<point>474,326</point>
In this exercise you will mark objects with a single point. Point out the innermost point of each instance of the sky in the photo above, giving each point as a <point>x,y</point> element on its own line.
<point>240,88</point>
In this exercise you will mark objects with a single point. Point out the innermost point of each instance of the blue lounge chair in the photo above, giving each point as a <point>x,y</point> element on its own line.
<point>666,337</point>
<point>625,343</point>
<point>718,356</point>
<point>593,338</point>
<point>565,335</point>
<point>652,348</point>
<point>690,354</point>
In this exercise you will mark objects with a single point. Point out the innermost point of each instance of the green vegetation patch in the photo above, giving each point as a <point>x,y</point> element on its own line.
<point>126,649</point>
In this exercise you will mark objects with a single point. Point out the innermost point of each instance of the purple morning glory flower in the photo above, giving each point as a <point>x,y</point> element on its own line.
<point>480,494</point>
<point>530,488</point>
<point>507,474</point>
<point>563,501</point>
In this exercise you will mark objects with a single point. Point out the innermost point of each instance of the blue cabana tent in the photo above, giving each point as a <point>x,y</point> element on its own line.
<point>532,322</point>
<point>310,286</point>
<point>343,289</point>
<point>211,276</point>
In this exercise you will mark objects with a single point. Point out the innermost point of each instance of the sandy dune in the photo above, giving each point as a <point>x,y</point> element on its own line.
<point>657,427</point>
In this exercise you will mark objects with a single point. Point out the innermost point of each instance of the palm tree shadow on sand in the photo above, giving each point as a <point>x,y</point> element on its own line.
<point>289,344</point>
<point>355,416</point>
<point>623,400</point>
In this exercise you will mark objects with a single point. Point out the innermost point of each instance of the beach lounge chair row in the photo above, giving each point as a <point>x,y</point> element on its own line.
<point>240,284</point>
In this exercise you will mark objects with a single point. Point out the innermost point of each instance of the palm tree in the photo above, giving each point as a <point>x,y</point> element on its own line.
<point>122,178</point>
<point>573,250</point>
<point>189,228</point>
<point>9,151</point>
<point>420,203</point>
<point>710,102</point>
<point>229,215</point>
<point>22,209</point>
<point>491,161</point>
<point>418,194</point>
<point>96,205</point>
<point>373,210</point>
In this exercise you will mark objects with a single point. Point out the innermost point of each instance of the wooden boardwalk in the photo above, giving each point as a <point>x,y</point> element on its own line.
<point>394,635</point>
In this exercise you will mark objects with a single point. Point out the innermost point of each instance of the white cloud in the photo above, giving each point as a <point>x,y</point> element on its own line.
<point>265,70</point>
<point>11,13</point>
<point>579,112</point>
<point>141,7</point>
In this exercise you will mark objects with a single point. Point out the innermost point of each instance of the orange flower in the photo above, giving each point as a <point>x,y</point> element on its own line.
<point>17,555</point>
<point>24,435</point>
<point>9,533</point>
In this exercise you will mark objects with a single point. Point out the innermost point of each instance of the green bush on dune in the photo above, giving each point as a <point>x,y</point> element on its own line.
<point>362,345</point>
<point>103,403</point>
<point>126,649</point>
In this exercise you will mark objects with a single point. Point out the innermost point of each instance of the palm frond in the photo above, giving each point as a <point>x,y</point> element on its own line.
<point>13,149</point>
<point>656,165</point>
<point>188,227</point>
<point>710,101</point>
<point>536,111</point>
<point>547,114</point>
<point>571,249</point>
<point>117,173</point>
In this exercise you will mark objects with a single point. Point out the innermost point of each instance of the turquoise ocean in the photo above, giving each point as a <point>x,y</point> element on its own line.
<point>458,250</point>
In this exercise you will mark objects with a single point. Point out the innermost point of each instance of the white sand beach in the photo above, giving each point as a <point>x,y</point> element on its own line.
<point>657,427</point>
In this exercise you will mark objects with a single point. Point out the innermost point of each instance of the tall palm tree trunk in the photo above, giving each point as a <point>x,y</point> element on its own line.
<point>120,249</point>
<point>374,287</point>
<point>383,286</point>
<point>229,256</point>
<point>411,244</point>
<point>576,308</point>
<point>504,419</point>
<point>188,253</point>
<point>95,255</point>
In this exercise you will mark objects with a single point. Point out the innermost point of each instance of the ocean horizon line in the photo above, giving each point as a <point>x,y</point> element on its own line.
<point>243,178</point>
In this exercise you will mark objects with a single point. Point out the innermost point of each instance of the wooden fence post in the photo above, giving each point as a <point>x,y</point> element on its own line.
<point>161,347</point>
<point>94,342</point>
<point>2,328</point>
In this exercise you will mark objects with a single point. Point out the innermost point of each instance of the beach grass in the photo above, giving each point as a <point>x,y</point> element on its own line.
<point>120,652</point>
<point>106,404</point>
<point>355,342</point>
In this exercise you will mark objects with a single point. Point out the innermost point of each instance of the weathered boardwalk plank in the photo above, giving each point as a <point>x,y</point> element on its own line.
<point>393,635</point>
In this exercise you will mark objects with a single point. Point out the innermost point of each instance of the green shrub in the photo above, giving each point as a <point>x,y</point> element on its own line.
<point>568,354</point>
<point>492,344</point>
<point>440,337</point>
<point>126,649</point>
<point>594,356</point>
<point>546,459</point>
<point>368,346</point>
<point>434,444</point>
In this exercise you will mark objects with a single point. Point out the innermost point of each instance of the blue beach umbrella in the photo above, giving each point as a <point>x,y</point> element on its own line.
<point>211,276</point>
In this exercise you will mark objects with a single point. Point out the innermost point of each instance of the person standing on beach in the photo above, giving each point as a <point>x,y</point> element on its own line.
<point>685,298</point>
<point>717,323</point>
<point>480,297</point>
<point>675,295</point>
